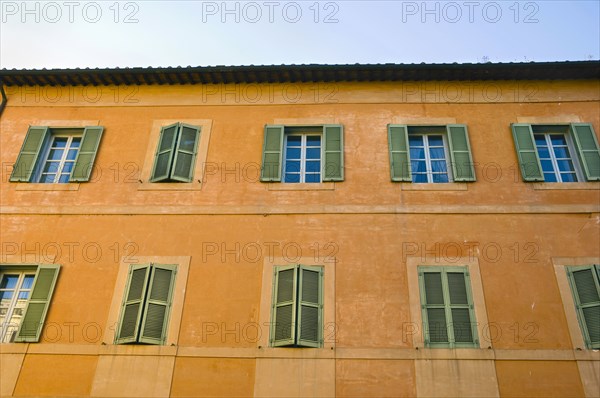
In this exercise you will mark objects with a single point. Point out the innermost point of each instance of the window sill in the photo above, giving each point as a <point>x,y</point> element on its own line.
<point>47,187</point>
<point>278,186</point>
<point>170,186</point>
<point>448,186</point>
<point>593,185</point>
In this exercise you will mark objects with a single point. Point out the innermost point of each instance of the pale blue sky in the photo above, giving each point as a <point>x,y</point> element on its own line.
<point>69,34</point>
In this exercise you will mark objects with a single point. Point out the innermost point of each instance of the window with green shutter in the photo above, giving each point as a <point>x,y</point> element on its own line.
<point>176,153</point>
<point>146,304</point>
<point>311,154</point>
<point>25,295</point>
<point>430,154</point>
<point>557,153</point>
<point>447,307</point>
<point>585,286</point>
<point>57,154</point>
<point>297,306</point>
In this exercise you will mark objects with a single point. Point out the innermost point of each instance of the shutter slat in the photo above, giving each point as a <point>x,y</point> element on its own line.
<point>399,154</point>
<point>531,168</point>
<point>38,304</point>
<point>84,162</point>
<point>272,154</point>
<point>333,162</point>
<point>29,154</point>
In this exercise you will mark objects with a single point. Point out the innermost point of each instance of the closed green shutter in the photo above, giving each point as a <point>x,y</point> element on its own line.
<point>399,154</point>
<point>185,155</point>
<point>333,162</point>
<point>587,146</point>
<point>531,168</point>
<point>460,153</point>
<point>283,318</point>
<point>461,306</point>
<point>585,286</point>
<point>30,151</point>
<point>163,158</point>
<point>38,303</point>
<point>158,304</point>
<point>87,154</point>
<point>272,154</point>
<point>310,307</point>
<point>133,303</point>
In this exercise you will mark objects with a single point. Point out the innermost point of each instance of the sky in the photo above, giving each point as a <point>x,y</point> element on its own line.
<point>100,34</point>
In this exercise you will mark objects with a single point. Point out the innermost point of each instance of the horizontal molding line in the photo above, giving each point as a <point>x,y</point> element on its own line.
<point>293,353</point>
<point>296,210</point>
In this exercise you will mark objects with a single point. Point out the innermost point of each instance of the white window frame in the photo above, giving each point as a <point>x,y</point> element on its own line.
<point>574,156</point>
<point>39,173</point>
<point>303,149</point>
<point>6,326</point>
<point>429,172</point>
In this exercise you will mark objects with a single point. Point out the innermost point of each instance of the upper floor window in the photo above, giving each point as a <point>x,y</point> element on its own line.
<point>25,294</point>
<point>310,154</point>
<point>57,155</point>
<point>176,153</point>
<point>430,154</point>
<point>557,153</point>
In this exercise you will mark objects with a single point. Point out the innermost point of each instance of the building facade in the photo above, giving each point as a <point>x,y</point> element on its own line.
<point>350,230</point>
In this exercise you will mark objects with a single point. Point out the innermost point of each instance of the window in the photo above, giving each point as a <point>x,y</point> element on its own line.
<point>585,286</point>
<point>57,155</point>
<point>25,295</point>
<point>430,154</point>
<point>176,153</point>
<point>303,154</point>
<point>146,304</point>
<point>557,153</point>
<point>297,306</point>
<point>447,307</point>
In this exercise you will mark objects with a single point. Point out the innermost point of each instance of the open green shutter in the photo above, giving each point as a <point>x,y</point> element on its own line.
<point>133,303</point>
<point>587,146</point>
<point>30,151</point>
<point>460,153</point>
<point>399,155</point>
<point>531,168</point>
<point>310,307</point>
<point>39,301</point>
<point>585,286</point>
<point>87,154</point>
<point>185,154</point>
<point>283,317</point>
<point>163,159</point>
<point>333,162</point>
<point>158,304</point>
<point>272,154</point>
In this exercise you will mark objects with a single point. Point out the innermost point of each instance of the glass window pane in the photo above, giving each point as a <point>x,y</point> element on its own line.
<point>292,153</point>
<point>6,295</point>
<point>313,166</point>
<point>60,142</point>
<point>569,177</point>
<point>440,178</point>
<point>438,166</point>
<point>417,153</point>
<point>312,140</point>
<point>294,140</point>
<point>313,153</point>
<point>9,281</point>
<point>540,139</point>
<point>437,153</point>
<point>292,167</point>
<point>415,140</point>
<point>292,178</point>
<point>565,165</point>
<point>68,167</point>
<point>419,178</point>
<point>558,139</point>
<point>27,282</point>
<point>64,178</point>
<point>51,167</point>
<point>543,152</point>
<point>72,154</point>
<point>55,154</point>
<point>313,178</point>
<point>547,165</point>
<point>436,140</point>
<point>75,142</point>
<point>419,166</point>
<point>23,295</point>
<point>549,177</point>
<point>47,178</point>
<point>561,152</point>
